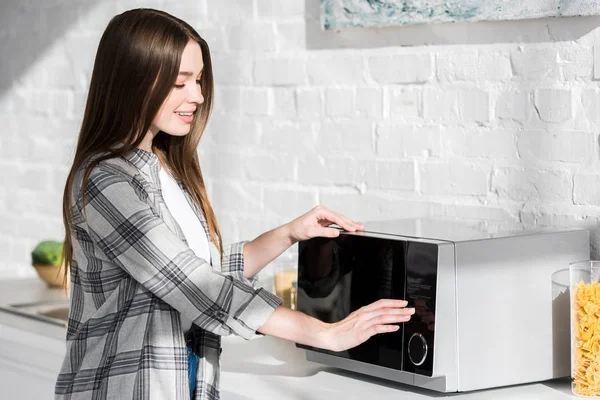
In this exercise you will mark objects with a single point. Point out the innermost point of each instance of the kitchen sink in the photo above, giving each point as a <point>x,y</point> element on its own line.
<point>52,312</point>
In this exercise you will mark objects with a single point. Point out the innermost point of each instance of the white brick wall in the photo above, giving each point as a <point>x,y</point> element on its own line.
<point>535,63</point>
<point>515,105</point>
<point>498,123</point>
<point>554,105</point>
<point>474,65</point>
<point>402,68</point>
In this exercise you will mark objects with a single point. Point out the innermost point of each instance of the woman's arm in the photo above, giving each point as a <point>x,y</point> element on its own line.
<point>133,237</point>
<point>378,317</point>
<point>265,248</point>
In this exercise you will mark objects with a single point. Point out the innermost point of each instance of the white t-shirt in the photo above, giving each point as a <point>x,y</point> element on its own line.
<point>189,223</point>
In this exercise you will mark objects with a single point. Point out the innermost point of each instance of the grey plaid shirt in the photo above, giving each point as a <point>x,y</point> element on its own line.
<point>133,277</point>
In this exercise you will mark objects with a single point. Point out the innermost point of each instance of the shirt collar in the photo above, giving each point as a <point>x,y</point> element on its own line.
<point>142,159</point>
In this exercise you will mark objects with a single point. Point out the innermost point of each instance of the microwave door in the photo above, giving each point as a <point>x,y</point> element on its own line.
<point>338,276</point>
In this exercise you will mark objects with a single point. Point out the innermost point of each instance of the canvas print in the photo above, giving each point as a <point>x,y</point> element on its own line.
<point>337,14</point>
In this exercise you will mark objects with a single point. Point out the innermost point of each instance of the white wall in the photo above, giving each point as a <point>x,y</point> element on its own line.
<point>493,120</point>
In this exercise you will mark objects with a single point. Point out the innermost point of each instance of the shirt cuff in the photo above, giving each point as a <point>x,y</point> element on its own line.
<point>254,315</point>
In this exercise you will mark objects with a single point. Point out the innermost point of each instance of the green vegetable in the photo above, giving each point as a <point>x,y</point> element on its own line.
<point>47,252</point>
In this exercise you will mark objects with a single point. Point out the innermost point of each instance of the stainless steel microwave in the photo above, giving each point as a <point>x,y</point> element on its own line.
<point>483,296</point>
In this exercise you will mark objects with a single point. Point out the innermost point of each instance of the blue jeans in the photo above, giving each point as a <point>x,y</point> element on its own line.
<point>193,360</point>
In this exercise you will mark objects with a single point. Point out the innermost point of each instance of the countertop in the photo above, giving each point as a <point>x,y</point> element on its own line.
<point>30,291</point>
<point>270,368</point>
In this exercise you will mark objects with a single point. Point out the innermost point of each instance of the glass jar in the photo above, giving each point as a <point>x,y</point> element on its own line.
<point>293,295</point>
<point>283,277</point>
<point>585,328</point>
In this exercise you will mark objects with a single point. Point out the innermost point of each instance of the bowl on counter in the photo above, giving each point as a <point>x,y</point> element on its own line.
<point>53,275</point>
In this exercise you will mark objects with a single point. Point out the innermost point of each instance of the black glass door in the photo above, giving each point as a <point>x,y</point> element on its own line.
<point>338,276</point>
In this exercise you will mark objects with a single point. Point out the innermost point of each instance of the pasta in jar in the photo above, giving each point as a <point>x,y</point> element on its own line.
<point>586,340</point>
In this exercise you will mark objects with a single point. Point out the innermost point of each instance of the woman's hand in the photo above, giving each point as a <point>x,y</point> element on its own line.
<point>269,245</point>
<point>355,329</point>
<point>358,327</point>
<point>316,223</point>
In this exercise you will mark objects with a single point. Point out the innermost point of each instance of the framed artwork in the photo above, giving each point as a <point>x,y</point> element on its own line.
<point>338,14</point>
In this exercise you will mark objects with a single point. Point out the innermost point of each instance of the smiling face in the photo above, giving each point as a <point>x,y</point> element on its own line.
<point>177,112</point>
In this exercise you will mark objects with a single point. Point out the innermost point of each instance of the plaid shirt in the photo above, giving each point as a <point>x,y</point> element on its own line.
<point>133,277</point>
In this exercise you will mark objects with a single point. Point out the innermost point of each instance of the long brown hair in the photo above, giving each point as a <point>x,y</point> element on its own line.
<point>136,66</point>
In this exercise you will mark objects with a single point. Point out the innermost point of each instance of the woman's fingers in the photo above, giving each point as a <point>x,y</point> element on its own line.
<point>385,317</point>
<point>323,232</point>
<point>390,319</point>
<point>367,316</point>
<point>390,313</point>
<point>335,218</point>
<point>385,303</point>
<point>316,224</point>
<point>382,316</point>
<point>377,329</point>
<point>383,329</point>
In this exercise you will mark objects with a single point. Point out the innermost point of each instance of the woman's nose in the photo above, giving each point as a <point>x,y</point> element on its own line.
<point>196,95</point>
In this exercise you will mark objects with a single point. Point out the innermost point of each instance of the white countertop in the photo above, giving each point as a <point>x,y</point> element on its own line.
<point>269,368</point>
<point>30,291</point>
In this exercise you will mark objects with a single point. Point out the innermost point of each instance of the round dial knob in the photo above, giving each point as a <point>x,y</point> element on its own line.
<point>417,349</point>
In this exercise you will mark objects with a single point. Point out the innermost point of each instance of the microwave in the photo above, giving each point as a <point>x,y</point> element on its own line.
<point>487,312</point>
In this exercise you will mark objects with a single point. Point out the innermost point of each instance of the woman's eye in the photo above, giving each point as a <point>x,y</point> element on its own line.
<point>179,86</point>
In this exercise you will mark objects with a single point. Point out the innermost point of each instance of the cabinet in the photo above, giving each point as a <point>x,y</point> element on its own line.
<point>31,354</point>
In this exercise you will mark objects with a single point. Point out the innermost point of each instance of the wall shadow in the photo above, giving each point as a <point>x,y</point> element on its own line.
<point>28,29</point>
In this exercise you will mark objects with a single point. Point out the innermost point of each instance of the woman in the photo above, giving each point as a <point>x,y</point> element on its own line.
<point>152,287</point>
